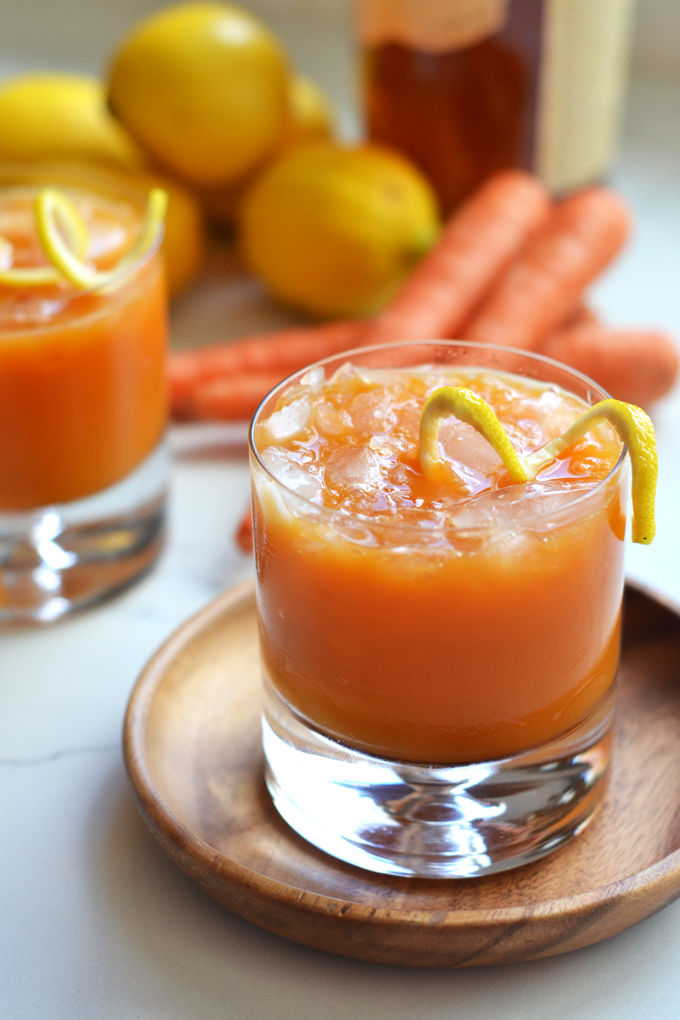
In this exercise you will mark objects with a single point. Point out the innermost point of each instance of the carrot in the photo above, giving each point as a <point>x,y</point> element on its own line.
<point>637,366</point>
<point>580,315</point>
<point>230,397</point>
<point>476,246</point>
<point>275,353</point>
<point>244,532</point>
<point>536,292</point>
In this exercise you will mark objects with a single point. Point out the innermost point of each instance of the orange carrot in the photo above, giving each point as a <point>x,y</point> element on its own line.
<point>244,532</point>
<point>580,315</point>
<point>637,366</point>
<point>274,353</point>
<point>536,292</point>
<point>230,397</point>
<point>476,246</point>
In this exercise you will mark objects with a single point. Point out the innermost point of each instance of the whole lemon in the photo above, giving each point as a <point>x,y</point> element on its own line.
<point>309,118</point>
<point>61,117</point>
<point>203,88</point>
<point>335,230</point>
<point>310,115</point>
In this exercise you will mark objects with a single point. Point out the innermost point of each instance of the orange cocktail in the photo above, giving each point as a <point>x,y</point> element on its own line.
<point>439,623</point>
<point>82,391</point>
<point>82,388</point>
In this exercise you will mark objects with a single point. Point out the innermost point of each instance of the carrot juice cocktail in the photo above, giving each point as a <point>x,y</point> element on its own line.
<point>82,394</point>
<point>436,620</point>
<point>82,387</point>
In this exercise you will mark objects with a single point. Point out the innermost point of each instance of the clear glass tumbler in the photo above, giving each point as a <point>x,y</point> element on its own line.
<point>83,466</point>
<point>438,700</point>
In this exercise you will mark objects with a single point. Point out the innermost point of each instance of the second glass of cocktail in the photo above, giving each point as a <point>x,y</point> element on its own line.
<point>83,403</point>
<point>439,656</point>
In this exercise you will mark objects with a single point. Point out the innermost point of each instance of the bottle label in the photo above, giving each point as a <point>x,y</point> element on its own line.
<point>431,25</point>
<point>581,89</point>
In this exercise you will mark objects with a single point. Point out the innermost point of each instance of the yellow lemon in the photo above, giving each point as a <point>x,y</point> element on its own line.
<point>61,117</point>
<point>203,88</point>
<point>309,118</point>
<point>335,230</point>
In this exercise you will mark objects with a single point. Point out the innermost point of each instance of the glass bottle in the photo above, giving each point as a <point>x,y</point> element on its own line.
<point>469,87</point>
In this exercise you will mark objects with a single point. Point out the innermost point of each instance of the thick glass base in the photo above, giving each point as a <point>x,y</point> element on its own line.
<point>57,559</point>
<point>434,821</point>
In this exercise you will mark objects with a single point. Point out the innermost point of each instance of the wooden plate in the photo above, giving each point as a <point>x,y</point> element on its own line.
<point>192,746</point>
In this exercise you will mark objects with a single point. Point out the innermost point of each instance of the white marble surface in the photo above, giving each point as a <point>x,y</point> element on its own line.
<point>96,924</point>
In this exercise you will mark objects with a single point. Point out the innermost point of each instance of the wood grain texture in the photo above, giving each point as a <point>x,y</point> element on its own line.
<point>193,752</point>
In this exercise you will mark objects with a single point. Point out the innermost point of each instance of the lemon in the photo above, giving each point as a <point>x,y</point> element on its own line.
<point>202,87</point>
<point>61,117</point>
<point>633,426</point>
<point>335,230</point>
<point>309,118</point>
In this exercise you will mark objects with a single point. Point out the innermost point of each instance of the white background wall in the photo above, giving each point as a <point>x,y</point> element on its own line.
<point>657,38</point>
<point>80,34</point>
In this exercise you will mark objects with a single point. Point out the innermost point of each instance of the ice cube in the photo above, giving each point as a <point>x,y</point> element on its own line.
<point>374,412</point>
<point>292,475</point>
<point>315,378</point>
<point>346,373</point>
<point>331,422</point>
<point>384,446</point>
<point>471,457</point>
<point>353,467</point>
<point>290,420</point>
<point>532,505</point>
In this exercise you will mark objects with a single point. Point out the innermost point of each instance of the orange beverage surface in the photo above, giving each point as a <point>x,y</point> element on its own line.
<point>82,388</point>
<point>429,622</point>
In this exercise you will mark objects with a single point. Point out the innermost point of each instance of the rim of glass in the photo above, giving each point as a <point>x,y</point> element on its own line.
<point>387,522</point>
<point>83,178</point>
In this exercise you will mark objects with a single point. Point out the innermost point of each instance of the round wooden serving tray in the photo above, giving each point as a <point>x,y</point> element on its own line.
<point>192,746</point>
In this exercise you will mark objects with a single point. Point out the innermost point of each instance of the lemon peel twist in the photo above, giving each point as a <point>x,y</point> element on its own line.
<point>633,426</point>
<point>71,223</point>
<point>635,429</point>
<point>64,239</point>
<point>467,406</point>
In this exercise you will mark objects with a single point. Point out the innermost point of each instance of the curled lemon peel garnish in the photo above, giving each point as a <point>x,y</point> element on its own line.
<point>64,239</point>
<point>71,223</point>
<point>67,261</point>
<point>635,429</point>
<point>467,406</point>
<point>633,426</point>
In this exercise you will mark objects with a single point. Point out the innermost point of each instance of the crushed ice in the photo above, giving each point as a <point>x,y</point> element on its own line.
<point>280,464</point>
<point>516,505</point>
<point>290,420</point>
<point>353,467</point>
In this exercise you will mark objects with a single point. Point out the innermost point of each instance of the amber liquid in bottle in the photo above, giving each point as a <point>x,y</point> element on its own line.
<point>460,114</point>
<point>538,84</point>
